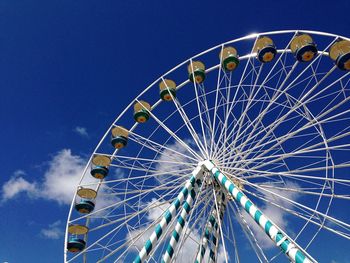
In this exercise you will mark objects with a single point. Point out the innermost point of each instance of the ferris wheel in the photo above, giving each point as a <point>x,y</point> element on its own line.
<point>238,154</point>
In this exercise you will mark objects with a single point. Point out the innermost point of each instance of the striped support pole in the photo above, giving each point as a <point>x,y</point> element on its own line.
<point>288,246</point>
<point>206,237</point>
<point>186,208</point>
<point>168,215</point>
<point>216,233</point>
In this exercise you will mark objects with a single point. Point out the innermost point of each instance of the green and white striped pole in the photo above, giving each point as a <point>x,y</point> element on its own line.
<point>168,215</point>
<point>175,236</point>
<point>216,232</point>
<point>287,245</point>
<point>206,237</point>
<point>211,228</point>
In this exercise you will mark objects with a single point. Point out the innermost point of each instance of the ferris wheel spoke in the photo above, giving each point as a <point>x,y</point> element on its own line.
<point>233,233</point>
<point>292,174</point>
<point>199,111</point>
<point>261,153</point>
<point>230,105</point>
<point>277,95</point>
<point>181,142</point>
<point>223,147</point>
<point>301,153</point>
<point>317,119</point>
<point>273,125</point>
<point>333,195</point>
<point>187,122</point>
<point>305,154</point>
<point>180,173</point>
<point>242,116</point>
<point>248,233</point>
<point>189,126</point>
<point>156,147</point>
<point>155,160</point>
<point>262,126</point>
<point>153,172</point>
<point>218,84</point>
<point>291,134</point>
<point>233,134</point>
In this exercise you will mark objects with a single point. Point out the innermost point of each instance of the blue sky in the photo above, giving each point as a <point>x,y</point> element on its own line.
<point>69,67</point>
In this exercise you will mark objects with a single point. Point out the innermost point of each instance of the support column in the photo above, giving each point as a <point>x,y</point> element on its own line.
<point>186,208</point>
<point>168,216</point>
<point>287,245</point>
<point>216,233</point>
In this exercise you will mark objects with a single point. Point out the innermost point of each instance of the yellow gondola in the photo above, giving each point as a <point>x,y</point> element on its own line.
<point>340,53</point>
<point>76,244</point>
<point>265,49</point>
<point>303,48</point>
<point>119,137</point>
<point>141,111</point>
<point>167,89</point>
<point>229,58</point>
<point>196,71</point>
<point>100,166</point>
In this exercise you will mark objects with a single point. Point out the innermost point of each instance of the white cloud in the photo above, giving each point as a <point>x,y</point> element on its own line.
<point>16,185</point>
<point>81,131</point>
<point>53,231</point>
<point>59,181</point>
<point>169,161</point>
<point>62,177</point>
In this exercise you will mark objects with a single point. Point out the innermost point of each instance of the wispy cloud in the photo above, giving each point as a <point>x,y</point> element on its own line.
<point>62,176</point>
<point>81,131</point>
<point>53,231</point>
<point>16,185</point>
<point>59,181</point>
<point>175,153</point>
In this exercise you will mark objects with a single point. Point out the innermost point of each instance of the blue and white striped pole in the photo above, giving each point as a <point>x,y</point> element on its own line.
<point>186,208</point>
<point>168,215</point>
<point>288,246</point>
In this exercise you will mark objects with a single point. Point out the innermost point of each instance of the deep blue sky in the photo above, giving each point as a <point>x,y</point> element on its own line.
<point>70,64</point>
